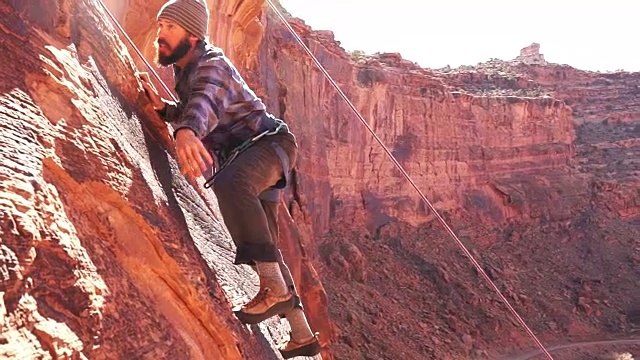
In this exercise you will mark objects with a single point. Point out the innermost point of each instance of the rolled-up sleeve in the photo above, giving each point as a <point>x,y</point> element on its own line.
<point>170,112</point>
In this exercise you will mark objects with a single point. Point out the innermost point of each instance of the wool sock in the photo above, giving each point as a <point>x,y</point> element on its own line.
<point>271,277</point>
<point>300,330</point>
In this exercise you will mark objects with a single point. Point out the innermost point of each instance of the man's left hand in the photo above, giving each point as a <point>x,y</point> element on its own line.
<point>192,155</point>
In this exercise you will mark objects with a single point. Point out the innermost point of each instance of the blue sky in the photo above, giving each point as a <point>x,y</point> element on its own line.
<point>601,36</point>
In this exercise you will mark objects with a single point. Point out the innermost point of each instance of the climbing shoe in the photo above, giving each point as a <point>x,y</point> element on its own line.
<point>263,306</point>
<point>308,348</point>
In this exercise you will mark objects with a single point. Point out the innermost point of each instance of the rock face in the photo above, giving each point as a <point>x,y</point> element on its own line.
<point>107,252</point>
<point>465,151</point>
<point>605,114</point>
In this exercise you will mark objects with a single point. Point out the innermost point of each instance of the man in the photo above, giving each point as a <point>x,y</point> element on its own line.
<point>218,113</point>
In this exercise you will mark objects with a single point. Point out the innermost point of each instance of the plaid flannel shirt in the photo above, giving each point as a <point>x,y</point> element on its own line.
<point>215,102</point>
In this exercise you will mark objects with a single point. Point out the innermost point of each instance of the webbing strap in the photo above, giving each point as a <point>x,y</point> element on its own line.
<point>282,127</point>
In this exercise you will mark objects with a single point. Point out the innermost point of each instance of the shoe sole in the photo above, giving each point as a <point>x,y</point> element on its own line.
<point>308,350</point>
<point>277,309</point>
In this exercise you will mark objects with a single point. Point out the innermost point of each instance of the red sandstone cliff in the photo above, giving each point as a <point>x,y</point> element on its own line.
<point>548,206</point>
<point>108,254</point>
<point>106,251</point>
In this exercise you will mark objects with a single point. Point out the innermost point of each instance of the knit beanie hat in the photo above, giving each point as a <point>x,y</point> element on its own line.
<point>192,15</point>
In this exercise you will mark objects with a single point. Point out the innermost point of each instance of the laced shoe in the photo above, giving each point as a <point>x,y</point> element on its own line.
<point>307,348</point>
<point>263,306</point>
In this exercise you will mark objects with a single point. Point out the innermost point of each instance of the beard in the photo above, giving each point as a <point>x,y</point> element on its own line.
<point>175,54</point>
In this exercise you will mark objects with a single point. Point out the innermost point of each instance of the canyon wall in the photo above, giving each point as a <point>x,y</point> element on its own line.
<point>517,158</point>
<point>605,115</point>
<point>493,158</point>
<point>107,252</point>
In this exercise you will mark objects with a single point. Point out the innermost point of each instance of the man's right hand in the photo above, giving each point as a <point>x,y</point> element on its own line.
<point>150,91</point>
<point>192,155</point>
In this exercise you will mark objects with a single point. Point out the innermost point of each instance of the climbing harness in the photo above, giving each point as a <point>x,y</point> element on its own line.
<point>247,144</point>
<point>226,160</point>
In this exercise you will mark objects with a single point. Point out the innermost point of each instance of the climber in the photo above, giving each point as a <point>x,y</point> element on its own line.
<point>219,117</point>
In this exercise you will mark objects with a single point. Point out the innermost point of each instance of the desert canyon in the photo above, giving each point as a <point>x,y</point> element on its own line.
<point>107,252</point>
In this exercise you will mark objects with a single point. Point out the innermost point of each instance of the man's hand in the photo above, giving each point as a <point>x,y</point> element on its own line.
<point>150,91</point>
<point>192,156</point>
